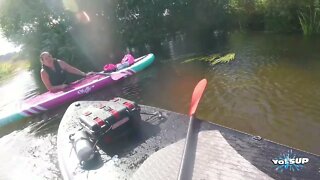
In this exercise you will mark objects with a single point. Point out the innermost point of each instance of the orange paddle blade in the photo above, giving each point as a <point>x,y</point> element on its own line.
<point>196,96</point>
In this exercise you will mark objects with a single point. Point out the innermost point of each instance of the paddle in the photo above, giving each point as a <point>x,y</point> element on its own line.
<point>118,75</point>
<point>115,75</point>
<point>196,96</point>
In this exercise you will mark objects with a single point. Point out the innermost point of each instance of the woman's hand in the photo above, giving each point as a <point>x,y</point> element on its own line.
<point>64,86</point>
<point>61,87</point>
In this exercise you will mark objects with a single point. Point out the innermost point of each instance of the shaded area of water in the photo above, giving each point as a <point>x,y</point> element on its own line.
<point>270,90</point>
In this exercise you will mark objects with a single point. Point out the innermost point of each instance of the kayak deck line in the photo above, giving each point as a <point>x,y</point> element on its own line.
<point>220,152</point>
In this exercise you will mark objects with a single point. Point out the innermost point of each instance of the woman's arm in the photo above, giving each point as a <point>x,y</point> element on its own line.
<point>65,66</point>
<point>46,81</point>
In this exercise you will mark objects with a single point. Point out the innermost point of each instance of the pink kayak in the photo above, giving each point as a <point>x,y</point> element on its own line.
<point>76,90</point>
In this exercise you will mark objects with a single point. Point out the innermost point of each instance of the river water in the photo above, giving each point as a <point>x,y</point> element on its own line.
<point>271,89</point>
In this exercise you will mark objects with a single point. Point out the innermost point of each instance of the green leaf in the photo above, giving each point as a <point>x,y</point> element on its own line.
<point>224,59</point>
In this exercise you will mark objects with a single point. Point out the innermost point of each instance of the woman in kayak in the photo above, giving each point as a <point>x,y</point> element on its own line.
<point>53,72</point>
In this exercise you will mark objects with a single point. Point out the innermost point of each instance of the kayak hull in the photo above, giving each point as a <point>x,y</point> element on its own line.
<point>155,151</point>
<point>76,90</point>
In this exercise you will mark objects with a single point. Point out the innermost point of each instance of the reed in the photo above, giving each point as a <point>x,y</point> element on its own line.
<point>310,21</point>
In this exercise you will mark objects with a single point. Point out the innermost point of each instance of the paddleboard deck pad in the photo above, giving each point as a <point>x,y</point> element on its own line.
<point>155,149</point>
<point>75,90</point>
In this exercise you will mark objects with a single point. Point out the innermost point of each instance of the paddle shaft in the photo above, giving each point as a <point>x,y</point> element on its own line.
<point>188,156</point>
<point>114,75</point>
<point>185,164</point>
<point>103,73</point>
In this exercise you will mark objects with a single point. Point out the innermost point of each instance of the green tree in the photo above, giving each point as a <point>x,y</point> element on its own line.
<point>247,14</point>
<point>40,25</point>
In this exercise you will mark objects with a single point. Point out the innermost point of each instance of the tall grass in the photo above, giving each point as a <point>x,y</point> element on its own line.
<point>7,69</point>
<point>310,21</point>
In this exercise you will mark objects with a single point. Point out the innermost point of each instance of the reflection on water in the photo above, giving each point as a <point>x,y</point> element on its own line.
<point>270,90</point>
<point>14,91</point>
<point>26,156</point>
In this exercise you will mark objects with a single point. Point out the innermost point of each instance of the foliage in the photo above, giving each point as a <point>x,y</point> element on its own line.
<point>224,59</point>
<point>9,68</point>
<point>213,59</point>
<point>150,22</point>
<point>5,69</point>
<point>273,15</point>
<point>281,16</point>
<point>116,26</point>
<point>310,21</point>
<point>247,14</point>
<point>38,26</point>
